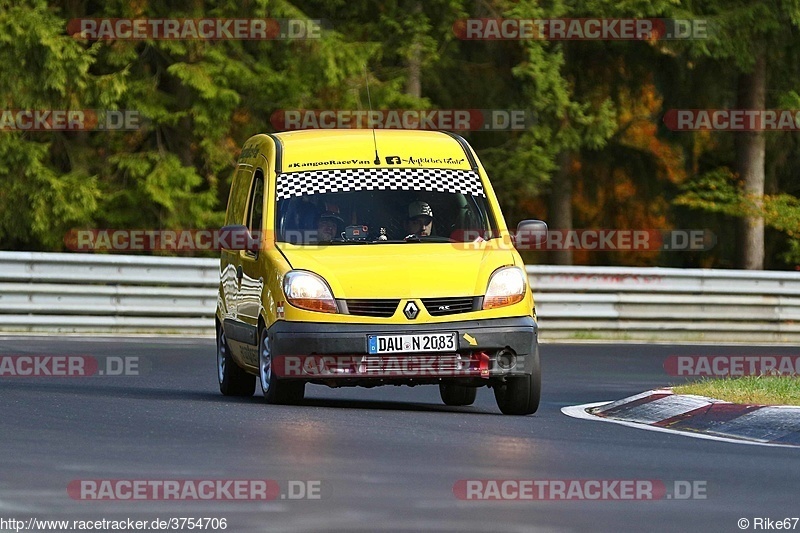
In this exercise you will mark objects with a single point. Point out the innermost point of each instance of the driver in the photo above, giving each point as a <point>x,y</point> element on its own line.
<point>329,225</point>
<point>420,219</point>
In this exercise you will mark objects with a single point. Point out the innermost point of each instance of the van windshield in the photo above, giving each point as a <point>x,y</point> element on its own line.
<point>360,206</point>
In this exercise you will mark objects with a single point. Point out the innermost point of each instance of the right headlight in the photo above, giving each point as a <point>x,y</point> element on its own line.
<point>506,287</point>
<point>307,290</point>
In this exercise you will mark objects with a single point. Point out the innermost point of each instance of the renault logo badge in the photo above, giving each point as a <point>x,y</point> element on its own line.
<point>411,310</point>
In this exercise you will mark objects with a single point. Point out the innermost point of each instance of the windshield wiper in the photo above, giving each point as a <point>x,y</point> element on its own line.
<point>425,238</point>
<point>341,241</point>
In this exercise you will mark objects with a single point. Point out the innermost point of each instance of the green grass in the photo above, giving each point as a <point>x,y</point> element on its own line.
<point>585,335</point>
<point>761,390</point>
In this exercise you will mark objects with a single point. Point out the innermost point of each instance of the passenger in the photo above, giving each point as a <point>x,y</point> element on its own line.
<point>299,221</point>
<point>420,219</point>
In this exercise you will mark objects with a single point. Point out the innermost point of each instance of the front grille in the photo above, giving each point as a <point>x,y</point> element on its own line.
<point>450,306</point>
<point>383,308</point>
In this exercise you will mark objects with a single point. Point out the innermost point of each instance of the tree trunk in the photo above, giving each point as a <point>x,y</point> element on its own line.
<point>750,152</point>
<point>413,83</point>
<point>561,206</point>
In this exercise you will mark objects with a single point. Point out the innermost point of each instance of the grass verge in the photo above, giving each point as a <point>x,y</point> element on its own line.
<point>762,390</point>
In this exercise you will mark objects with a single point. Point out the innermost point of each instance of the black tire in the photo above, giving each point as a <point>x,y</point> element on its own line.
<point>276,391</point>
<point>233,380</point>
<point>520,395</point>
<point>455,394</point>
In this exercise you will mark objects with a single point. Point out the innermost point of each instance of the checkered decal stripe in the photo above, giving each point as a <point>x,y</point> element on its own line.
<point>369,179</point>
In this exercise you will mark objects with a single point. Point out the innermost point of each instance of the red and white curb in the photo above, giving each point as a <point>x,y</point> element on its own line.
<point>698,416</point>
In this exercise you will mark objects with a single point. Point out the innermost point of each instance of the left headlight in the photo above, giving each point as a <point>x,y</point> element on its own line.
<point>307,290</point>
<point>506,287</point>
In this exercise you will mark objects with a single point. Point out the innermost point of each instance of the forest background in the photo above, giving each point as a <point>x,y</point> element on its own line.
<point>598,154</point>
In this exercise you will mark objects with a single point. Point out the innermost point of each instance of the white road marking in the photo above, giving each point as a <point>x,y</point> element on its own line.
<point>579,411</point>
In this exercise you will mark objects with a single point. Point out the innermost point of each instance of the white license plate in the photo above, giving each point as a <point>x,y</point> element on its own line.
<point>423,342</point>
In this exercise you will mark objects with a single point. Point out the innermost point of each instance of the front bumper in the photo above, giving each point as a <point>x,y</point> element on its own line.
<point>325,352</point>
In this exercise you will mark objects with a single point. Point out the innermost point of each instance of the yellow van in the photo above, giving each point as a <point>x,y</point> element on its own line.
<point>371,258</point>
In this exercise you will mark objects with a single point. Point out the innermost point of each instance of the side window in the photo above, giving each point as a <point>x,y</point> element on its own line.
<point>255,212</point>
<point>237,202</point>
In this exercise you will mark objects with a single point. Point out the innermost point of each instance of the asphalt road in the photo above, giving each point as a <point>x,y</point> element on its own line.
<point>386,458</point>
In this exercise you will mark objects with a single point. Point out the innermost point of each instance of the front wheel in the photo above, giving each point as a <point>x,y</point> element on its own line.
<point>233,381</point>
<point>276,391</point>
<point>455,394</point>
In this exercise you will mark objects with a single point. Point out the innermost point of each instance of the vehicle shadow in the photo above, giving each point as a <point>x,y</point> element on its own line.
<point>109,388</point>
<point>116,388</point>
<point>384,405</point>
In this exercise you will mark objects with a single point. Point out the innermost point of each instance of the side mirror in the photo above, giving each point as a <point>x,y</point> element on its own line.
<point>530,235</point>
<point>238,237</point>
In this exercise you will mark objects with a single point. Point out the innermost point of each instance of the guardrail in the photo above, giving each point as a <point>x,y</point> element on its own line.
<point>105,293</point>
<point>666,304</point>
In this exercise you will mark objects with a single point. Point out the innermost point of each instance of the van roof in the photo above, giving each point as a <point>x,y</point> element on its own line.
<point>355,148</point>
